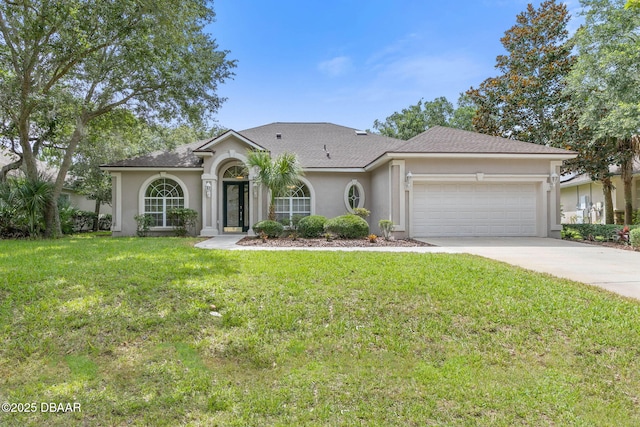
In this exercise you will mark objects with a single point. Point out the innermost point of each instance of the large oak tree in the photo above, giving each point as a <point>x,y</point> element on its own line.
<point>64,63</point>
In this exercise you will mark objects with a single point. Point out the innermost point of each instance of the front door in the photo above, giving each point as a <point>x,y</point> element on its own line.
<point>236,207</point>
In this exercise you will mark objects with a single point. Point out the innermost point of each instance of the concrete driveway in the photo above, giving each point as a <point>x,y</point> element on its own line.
<point>616,270</point>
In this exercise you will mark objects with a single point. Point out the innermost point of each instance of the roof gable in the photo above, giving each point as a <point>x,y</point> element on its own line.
<point>209,145</point>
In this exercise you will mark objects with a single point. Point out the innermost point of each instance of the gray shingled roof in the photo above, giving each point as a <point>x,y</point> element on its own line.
<point>180,157</point>
<point>441,139</point>
<point>312,141</point>
<point>308,140</point>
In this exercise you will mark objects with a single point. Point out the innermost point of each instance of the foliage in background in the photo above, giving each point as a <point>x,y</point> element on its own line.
<point>415,119</point>
<point>526,100</point>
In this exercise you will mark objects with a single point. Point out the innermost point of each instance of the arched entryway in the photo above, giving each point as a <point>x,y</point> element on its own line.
<point>235,199</point>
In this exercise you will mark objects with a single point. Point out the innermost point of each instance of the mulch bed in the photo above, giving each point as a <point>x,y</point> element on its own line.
<point>323,243</point>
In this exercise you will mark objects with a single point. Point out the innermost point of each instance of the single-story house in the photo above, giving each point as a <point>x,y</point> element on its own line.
<point>582,200</point>
<point>443,182</point>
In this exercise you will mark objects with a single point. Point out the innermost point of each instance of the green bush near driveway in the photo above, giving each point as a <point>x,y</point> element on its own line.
<point>347,227</point>
<point>601,232</point>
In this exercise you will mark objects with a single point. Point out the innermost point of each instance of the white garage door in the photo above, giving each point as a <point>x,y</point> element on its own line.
<point>474,209</point>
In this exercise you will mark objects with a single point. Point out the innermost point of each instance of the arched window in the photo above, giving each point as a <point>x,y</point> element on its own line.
<point>296,202</point>
<point>161,195</point>
<point>354,195</point>
<point>236,172</point>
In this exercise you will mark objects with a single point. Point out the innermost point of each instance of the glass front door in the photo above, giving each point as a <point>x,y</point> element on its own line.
<point>236,207</point>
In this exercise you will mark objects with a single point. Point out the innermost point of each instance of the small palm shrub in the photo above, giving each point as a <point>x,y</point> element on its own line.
<point>269,228</point>
<point>347,227</point>
<point>634,237</point>
<point>386,226</point>
<point>312,226</point>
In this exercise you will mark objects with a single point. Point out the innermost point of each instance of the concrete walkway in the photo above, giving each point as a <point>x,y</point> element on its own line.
<point>616,270</point>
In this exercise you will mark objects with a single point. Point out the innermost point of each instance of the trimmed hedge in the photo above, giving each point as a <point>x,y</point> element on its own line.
<point>347,227</point>
<point>634,237</point>
<point>312,226</point>
<point>270,228</point>
<point>604,232</point>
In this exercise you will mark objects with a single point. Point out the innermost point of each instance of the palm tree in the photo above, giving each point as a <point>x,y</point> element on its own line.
<point>278,174</point>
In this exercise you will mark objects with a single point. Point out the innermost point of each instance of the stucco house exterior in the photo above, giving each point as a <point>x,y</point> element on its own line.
<point>443,182</point>
<point>582,199</point>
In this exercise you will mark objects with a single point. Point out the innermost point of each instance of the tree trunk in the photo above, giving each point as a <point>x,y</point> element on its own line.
<point>607,188</point>
<point>52,217</point>
<point>96,220</point>
<point>627,178</point>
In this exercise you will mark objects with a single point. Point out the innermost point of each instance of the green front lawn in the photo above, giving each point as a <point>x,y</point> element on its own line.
<point>123,327</point>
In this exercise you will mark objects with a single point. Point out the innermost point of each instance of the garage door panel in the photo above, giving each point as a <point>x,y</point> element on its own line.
<point>474,209</point>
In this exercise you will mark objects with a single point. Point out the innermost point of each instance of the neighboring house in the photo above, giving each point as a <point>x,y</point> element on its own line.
<point>582,199</point>
<point>443,182</point>
<point>73,197</point>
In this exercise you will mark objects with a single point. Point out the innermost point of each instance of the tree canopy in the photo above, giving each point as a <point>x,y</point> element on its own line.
<point>415,119</point>
<point>526,101</point>
<point>65,62</point>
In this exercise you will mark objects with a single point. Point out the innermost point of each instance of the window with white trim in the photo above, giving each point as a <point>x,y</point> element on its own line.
<point>162,195</point>
<point>296,202</point>
<point>354,195</point>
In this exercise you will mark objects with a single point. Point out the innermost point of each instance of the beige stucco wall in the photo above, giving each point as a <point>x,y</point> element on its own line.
<point>131,185</point>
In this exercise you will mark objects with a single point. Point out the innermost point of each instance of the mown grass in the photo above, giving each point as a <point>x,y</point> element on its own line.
<point>123,326</point>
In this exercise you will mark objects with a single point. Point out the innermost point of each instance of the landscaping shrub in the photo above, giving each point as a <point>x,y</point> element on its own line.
<point>104,222</point>
<point>143,222</point>
<point>602,232</point>
<point>312,226</point>
<point>183,220</point>
<point>83,220</point>
<point>347,227</point>
<point>634,237</point>
<point>269,228</point>
<point>386,226</point>
<point>362,212</point>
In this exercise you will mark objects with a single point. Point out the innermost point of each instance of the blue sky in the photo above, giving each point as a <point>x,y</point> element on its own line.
<point>350,62</point>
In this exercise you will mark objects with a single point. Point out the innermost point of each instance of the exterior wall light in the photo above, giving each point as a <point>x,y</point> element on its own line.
<point>207,188</point>
<point>554,179</point>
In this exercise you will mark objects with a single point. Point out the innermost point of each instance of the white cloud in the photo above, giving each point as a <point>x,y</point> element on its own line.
<point>336,66</point>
